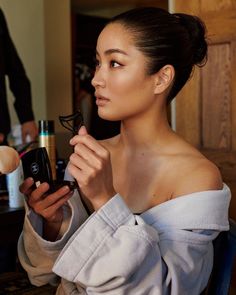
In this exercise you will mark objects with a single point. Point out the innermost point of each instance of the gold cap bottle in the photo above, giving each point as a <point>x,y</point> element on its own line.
<point>47,140</point>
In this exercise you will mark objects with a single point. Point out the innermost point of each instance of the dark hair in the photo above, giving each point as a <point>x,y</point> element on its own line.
<point>177,39</point>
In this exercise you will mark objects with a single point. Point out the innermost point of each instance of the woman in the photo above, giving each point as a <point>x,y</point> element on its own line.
<point>155,203</point>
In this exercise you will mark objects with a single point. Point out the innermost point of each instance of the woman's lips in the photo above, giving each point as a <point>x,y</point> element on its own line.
<point>101,101</point>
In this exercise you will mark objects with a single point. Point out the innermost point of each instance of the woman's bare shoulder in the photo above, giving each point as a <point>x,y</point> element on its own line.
<point>196,173</point>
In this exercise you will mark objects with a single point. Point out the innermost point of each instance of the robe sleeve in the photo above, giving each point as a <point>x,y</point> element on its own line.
<point>38,255</point>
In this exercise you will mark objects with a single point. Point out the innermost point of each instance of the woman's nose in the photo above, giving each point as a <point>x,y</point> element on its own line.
<point>98,79</point>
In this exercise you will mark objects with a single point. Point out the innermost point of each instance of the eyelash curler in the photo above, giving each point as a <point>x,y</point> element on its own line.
<point>72,122</point>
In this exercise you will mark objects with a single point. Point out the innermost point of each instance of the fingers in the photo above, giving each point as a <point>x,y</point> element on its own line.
<point>50,211</point>
<point>81,175</point>
<point>40,195</point>
<point>83,130</point>
<point>27,186</point>
<point>89,155</point>
<point>90,142</point>
<point>44,204</point>
<point>84,156</point>
<point>47,205</point>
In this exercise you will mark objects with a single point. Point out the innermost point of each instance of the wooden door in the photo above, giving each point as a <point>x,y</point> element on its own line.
<point>206,108</point>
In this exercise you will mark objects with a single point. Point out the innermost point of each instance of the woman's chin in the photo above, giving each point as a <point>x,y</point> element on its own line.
<point>107,116</point>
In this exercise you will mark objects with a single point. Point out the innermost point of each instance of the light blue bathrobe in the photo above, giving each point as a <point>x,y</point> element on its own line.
<point>166,250</point>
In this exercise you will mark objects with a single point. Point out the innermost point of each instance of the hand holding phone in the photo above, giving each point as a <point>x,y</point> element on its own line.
<point>36,164</point>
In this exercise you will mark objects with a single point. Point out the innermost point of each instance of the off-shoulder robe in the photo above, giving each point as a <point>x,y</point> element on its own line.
<point>165,250</point>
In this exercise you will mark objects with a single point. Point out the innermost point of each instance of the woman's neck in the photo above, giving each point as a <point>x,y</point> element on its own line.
<point>142,133</point>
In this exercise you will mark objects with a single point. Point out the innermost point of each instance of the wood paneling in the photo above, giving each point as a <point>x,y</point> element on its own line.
<point>216,6</point>
<point>191,7</point>
<point>233,91</point>
<point>220,26</point>
<point>216,100</point>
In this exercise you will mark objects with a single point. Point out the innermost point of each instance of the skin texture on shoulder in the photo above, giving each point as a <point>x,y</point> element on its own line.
<point>198,174</point>
<point>190,171</point>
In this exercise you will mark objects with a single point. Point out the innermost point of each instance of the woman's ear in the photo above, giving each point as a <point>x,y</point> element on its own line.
<point>164,78</point>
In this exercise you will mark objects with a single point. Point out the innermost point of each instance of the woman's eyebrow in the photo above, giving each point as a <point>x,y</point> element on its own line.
<point>113,50</point>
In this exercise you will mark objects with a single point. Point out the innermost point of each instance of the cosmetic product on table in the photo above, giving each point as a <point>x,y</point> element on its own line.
<point>47,140</point>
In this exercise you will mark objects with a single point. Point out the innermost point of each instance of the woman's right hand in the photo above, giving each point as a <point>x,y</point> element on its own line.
<point>49,206</point>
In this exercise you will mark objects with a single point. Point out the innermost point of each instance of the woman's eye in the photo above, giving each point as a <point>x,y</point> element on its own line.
<point>115,64</point>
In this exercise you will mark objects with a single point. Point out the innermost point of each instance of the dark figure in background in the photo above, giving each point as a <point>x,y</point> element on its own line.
<point>11,66</point>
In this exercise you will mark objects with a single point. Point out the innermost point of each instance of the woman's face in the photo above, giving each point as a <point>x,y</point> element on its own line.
<point>122,87</point>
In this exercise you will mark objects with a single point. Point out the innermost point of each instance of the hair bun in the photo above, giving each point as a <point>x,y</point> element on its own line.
<point>197,35</point>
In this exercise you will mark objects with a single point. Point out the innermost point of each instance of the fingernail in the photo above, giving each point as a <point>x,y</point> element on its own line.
<point>65,189</point>
<point>45,185</point>
<point>72,140</point>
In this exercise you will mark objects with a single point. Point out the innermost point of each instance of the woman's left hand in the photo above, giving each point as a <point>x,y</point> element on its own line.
<point>90,165</point>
